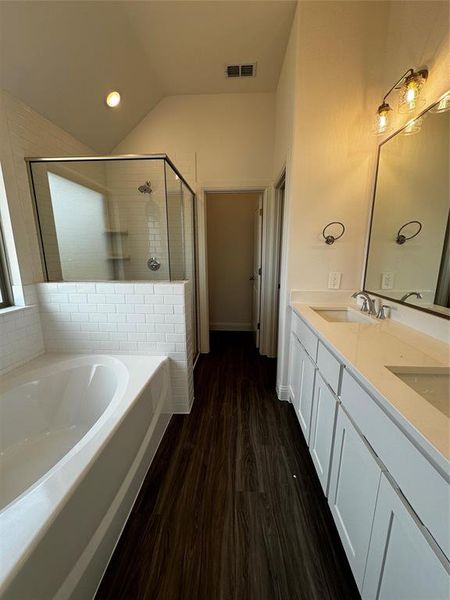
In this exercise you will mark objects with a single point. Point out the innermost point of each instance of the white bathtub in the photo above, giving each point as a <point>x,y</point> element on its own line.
<point>77,435</point>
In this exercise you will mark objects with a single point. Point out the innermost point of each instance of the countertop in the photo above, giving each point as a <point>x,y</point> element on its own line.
<point>367,349</point>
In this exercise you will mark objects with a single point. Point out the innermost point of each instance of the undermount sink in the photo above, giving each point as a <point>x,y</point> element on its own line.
<point>432,383</point>
<point>341,315</point>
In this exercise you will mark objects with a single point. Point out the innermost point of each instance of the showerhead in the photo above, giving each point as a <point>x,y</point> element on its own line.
<point>146,188</point>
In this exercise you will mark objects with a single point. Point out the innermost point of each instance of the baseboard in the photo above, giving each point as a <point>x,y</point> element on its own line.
<point>230,327</point>
<point>283,393</point>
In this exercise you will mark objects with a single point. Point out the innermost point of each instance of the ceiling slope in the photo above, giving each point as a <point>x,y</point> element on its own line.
<point>61,58</point>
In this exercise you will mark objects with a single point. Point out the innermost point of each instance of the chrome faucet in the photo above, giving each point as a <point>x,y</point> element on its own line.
<point>368,303</point>
<point>418,295</point>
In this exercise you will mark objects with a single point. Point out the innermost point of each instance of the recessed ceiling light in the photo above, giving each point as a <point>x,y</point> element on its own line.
<point>113,99</point>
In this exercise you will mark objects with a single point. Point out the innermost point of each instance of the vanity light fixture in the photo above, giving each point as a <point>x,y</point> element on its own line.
<point>410,85</point>
<point>443,105</point>
<point>113,99</point>
<point>410,90</point>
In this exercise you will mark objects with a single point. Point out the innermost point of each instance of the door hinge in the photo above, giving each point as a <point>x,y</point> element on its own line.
<point>259,271</point>
<point>260,212</point>
<point>258,326</point>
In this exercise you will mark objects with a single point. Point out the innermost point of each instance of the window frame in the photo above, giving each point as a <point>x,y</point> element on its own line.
<point>5,285</point>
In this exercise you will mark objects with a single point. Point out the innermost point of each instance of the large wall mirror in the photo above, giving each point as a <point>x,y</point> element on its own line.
<point>408,258</point>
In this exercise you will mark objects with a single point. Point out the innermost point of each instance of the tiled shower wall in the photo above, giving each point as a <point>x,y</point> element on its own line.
<point>123,318</point>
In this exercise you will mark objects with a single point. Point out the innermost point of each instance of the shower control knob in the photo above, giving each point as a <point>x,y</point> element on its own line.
<point>153,264</point>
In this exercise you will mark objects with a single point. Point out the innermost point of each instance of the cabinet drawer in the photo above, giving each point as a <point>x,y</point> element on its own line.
<point>425,489</point>
<point>329,367</point>
<point>305,335</point>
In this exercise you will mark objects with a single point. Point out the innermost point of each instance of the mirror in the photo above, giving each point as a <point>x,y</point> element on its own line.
<point>409,235</point>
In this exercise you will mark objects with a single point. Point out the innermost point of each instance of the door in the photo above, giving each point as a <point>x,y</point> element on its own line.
<point>257,270</point>
<point>403,562</point>
<point>322,430</point>
<point>354,481</point>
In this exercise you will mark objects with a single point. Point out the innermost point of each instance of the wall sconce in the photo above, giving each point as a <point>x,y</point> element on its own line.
<point>410,85</point>
<point>401,238</point>
<point>330,239</point>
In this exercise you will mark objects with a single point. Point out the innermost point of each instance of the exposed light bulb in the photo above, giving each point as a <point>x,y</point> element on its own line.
<point>113,99</point>
<point>411,92</point>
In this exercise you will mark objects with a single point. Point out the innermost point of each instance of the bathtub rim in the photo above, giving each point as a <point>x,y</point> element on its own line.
<point>26,536</point>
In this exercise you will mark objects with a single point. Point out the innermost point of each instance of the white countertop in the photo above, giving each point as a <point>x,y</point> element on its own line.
<point>367,349</point>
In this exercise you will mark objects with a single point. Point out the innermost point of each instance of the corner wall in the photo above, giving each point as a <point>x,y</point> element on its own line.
<point>210,137</point>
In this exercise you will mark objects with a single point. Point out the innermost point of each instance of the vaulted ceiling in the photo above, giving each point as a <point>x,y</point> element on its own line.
<point>61,58</point>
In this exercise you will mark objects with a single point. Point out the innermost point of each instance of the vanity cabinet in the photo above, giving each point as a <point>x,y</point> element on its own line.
<point>403,561</point>
<point>301,385</point>
<point>322,429</point>
<point>354,482</point>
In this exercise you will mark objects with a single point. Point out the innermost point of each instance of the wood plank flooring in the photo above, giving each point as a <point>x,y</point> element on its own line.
<point>231,508</point>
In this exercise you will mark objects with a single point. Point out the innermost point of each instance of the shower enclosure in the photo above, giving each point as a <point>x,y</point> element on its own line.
<point>117,218</point>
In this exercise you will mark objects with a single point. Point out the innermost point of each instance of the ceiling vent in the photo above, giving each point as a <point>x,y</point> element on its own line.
<point>247,70</point>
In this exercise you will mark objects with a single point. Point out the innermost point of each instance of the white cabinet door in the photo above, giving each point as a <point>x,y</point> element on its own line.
<point>305,393</point>
<point>302,373</point>
<point>294,369</point>
<point>322,429</point>
<point>403,563</point>
<point>354,481</point>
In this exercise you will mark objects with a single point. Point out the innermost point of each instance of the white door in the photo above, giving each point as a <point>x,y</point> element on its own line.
<point>403,561</point>
<point>257,271</point>
<point>354,481</point>
<point>322,430</point>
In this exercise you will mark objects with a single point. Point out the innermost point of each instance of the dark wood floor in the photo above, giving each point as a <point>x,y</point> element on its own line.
<point>231,508</point>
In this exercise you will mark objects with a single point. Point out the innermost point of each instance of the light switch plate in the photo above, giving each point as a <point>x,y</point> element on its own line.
<point>334,280</point>
<point>387,281</point>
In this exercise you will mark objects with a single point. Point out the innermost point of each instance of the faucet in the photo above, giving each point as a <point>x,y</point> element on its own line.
<point>368,303</point>
<point>418,295</point>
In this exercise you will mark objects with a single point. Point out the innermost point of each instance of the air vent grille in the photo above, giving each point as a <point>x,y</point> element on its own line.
<point>247,70</point>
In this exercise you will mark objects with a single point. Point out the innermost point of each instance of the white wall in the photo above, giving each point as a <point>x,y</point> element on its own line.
<point>342,57</point>
<point>211,138</point>
<point>25,133</point>
<point>230,219</point>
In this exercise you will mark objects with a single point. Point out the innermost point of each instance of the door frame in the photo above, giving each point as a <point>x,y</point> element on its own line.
<point>266,190</point>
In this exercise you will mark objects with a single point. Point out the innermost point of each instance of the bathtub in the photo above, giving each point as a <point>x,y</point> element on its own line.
<point>77,435</point>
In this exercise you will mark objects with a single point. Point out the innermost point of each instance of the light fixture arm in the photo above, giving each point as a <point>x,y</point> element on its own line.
<point>402,78</point>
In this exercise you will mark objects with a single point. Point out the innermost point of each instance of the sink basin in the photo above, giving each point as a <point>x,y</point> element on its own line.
<point>432,383</point>
<point>342,315</point>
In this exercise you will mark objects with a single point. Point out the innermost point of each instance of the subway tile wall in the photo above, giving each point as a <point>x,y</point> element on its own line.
<point>123,317</point>
<point>21,336</point>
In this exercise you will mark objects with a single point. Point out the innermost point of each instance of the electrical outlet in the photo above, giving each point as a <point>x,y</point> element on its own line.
<point>387,281</point>
<point>334,280</point>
